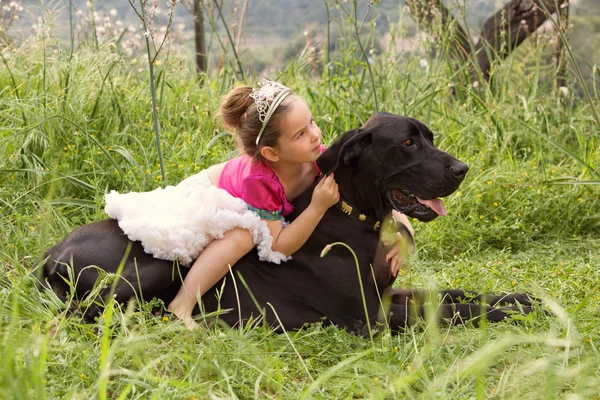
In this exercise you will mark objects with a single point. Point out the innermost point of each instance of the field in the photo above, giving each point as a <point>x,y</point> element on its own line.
<point>527,219</point>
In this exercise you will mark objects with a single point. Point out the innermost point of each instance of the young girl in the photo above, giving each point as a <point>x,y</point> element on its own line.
<point>281,144</point>
<point>221,213</point>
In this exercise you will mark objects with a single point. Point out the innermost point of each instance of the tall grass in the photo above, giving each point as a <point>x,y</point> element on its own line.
<point>511,227</point>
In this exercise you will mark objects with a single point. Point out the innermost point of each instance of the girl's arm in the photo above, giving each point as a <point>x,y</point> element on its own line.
<point>289,239</point>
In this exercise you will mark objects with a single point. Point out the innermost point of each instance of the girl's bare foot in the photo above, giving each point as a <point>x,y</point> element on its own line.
<point>184,317</point>
<point>189,322</point>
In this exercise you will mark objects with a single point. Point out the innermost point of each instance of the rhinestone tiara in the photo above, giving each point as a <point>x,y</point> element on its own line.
<point>268,96</point>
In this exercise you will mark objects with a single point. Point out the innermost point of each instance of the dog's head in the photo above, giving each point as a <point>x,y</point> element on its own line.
<point>391,163</point>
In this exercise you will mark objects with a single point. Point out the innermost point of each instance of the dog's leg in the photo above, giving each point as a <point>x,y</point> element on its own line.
<point>153,277</point>
<point>407,306</point>
<point>463,296</point>
<point>458,296</point>
<point>401,316</point>
<point>460,313</point>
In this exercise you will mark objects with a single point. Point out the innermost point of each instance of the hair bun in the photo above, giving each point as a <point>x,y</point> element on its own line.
<point>234,107</point>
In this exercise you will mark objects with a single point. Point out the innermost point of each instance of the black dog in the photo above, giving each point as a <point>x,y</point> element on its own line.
<point>389,163</point>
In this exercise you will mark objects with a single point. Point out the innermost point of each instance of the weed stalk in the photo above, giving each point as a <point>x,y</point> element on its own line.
<point>151,63</point>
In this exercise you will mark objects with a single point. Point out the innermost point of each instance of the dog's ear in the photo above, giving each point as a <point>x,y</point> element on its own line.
<point>346,148</point>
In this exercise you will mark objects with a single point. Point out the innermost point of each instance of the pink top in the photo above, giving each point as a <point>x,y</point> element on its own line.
<point>257,184</point>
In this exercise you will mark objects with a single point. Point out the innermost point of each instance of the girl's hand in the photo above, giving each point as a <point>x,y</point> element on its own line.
<point>394,256</point>
<point>326,194</point>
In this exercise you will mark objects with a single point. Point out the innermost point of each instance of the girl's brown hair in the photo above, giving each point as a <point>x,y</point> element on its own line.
<point>239,114</point>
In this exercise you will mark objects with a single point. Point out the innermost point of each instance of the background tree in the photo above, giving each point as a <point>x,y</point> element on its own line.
<point>199,36</point>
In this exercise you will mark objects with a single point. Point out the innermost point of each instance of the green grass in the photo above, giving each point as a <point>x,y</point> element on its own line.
<point>518,223</point>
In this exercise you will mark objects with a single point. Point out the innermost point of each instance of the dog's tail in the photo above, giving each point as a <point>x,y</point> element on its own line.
<point>42,269</point>
<point>49,271</point>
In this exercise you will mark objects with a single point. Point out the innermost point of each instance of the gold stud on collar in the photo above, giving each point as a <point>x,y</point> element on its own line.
<point>347,208</point>
<point>355,213</point>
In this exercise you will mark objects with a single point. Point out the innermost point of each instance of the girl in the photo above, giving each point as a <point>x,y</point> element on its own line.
<point>221,213</point>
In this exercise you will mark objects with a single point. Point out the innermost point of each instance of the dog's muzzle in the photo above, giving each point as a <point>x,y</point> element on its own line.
<point>415,207</point>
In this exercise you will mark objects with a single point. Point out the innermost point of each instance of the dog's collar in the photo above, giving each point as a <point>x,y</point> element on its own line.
<point>355,213</point>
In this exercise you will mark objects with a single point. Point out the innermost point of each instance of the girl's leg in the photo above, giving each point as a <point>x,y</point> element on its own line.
<point>212,264</point>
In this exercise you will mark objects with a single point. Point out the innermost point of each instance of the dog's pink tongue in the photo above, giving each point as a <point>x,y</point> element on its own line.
<point>436,205</point>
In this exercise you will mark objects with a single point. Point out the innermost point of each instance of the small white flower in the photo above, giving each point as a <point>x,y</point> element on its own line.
<point>423,63</point>
<point>564,90</point>
<point>113,12</point>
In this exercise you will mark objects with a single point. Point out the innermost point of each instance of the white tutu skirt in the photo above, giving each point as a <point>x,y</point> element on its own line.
<point>178,222</point>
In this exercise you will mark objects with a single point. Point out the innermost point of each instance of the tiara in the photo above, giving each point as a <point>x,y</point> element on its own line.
<point>268,97</point>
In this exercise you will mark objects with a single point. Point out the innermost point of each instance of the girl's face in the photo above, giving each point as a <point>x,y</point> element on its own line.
<point>299,137</point>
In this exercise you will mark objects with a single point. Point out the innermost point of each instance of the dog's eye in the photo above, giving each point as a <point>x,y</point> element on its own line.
<point>408,143</point>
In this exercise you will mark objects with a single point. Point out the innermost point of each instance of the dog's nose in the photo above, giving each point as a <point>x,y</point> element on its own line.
<point>459,170</point>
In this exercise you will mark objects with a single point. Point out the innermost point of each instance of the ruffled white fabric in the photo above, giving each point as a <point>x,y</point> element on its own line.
<point>178,222</point>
